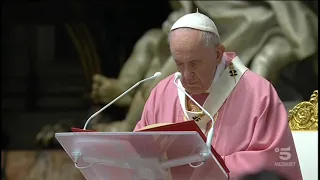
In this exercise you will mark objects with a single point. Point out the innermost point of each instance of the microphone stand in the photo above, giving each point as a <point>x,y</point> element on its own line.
<point>121,95</point>
<point>210,133</point>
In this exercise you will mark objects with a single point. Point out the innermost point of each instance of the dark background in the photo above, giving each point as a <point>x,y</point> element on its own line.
<point>39,88</point>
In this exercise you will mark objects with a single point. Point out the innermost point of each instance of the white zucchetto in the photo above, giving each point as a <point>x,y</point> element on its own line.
<point>196,21</point>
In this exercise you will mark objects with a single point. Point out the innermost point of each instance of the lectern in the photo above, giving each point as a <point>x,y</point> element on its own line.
<point>178,155</point>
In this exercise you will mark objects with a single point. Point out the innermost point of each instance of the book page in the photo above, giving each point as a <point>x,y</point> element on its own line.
<point>154,126</point>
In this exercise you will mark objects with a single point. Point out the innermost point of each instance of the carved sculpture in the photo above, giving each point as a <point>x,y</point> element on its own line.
<point>41,165</point>
<point>304,116</point>
<point>150,54</point>
<point>46,137</point>
<point>264,35</point>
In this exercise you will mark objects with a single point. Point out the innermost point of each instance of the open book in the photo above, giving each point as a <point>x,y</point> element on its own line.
<point>183,126</point>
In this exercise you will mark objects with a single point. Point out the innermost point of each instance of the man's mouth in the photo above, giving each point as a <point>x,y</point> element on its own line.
<point>192,83</point>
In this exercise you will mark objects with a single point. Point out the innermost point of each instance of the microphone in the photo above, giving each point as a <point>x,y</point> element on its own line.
<point>157,74</point>
<point>177,76</point>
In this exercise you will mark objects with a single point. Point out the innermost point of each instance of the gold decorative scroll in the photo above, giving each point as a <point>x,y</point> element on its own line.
<point>304,116</point>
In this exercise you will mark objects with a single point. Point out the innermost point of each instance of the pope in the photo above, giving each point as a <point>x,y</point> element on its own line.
<point>250,121</point>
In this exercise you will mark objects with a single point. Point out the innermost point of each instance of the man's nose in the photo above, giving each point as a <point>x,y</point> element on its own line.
<point>188,74</point>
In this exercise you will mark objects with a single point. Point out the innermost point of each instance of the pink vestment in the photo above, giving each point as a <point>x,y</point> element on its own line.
<point>251,128</point>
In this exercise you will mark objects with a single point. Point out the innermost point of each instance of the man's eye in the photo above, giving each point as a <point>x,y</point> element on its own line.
<point>194,63</point>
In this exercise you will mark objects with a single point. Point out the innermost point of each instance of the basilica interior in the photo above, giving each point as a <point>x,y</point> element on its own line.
<point>62,61</point>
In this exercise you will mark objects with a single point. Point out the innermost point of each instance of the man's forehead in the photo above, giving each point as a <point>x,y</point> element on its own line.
<point>185,35</point>
<point>182,31</point>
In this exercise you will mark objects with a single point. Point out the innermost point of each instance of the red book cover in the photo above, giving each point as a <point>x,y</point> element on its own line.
<point>81,130</point>
<point>188,126</point>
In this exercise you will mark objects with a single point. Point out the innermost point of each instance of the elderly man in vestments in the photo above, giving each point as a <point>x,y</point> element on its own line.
<point>250,121</point>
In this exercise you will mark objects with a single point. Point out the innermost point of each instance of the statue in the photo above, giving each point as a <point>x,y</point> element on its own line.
<point>267,35</point>
<point>51,165</point>
<point>264,34</point>
<point>150,54</point>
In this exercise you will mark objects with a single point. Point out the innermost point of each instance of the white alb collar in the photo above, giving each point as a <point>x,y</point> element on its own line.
<point>220,68</point>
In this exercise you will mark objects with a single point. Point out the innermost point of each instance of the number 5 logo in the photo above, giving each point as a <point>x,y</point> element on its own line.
<point>284,153</point>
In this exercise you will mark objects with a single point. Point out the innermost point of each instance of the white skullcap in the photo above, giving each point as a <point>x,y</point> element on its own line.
<point>196,21</point>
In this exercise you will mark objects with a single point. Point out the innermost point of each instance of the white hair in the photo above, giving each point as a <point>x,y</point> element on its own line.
<point>208,38</point>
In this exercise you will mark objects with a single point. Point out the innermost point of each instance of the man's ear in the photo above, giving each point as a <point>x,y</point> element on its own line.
<point>219,52</point>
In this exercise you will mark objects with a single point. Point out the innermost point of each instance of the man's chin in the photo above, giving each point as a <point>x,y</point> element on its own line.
<point>195,90</point>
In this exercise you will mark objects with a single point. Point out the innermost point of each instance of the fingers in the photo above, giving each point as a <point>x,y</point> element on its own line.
<point>97,81</point>
<point>96,78</point>
<point>101,88</point>
<point>100,79</point>
<point>95,88</point>
<point>94,95</point>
